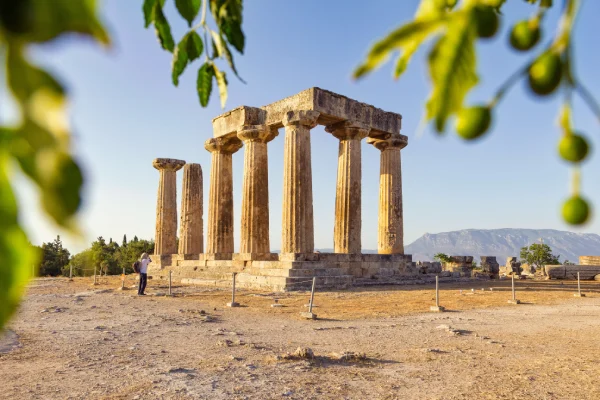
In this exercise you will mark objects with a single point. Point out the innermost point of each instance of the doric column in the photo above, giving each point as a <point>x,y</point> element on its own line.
<point>347,229</point>
<point>191,235</point>
<point>220,197</point>
<point>297,222</point>
<point>165,239</point>
<point>255,188</point>
<point>391,230</point>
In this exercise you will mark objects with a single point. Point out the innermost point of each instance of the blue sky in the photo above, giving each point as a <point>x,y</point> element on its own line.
<point>126,112</point>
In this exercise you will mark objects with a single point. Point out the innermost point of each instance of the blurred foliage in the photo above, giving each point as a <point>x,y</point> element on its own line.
<point>455,27</point>
<point>442,257</point>
<point>215,42</point>
<point>39,142</point>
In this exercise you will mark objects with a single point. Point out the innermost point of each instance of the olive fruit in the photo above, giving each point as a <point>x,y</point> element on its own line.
<point>545,73</point>
<point>573,148</point>
<point>575,210</point>
<point>525,35</point>
<point>487,21</point>
<point>472,122</point>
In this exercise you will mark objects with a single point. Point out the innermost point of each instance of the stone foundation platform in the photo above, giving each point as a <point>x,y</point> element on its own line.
<point>283,272</point>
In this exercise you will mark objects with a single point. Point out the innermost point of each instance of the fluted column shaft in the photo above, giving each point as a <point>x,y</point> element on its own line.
<point>191,228</point>
<point>220,203</point>
<point>255,189</point>
<point>165,239</point>
<point>390,238</point>
<point>347,228</point>
<point>297,219</point>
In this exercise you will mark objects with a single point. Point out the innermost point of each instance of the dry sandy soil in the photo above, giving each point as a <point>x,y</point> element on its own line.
<point>71,340</point>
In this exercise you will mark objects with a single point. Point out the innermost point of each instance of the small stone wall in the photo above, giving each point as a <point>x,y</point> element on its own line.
<point>589,260</point>
<point>463,265</point>
<point>490,266</point>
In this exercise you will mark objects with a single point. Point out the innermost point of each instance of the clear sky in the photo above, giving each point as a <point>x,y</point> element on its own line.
<point>126,112</point>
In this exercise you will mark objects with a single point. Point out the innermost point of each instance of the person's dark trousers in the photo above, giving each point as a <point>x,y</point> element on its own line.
<point>143,281</point>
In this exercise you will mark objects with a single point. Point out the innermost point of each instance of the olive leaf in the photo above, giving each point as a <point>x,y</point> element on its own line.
<point>163,29</point>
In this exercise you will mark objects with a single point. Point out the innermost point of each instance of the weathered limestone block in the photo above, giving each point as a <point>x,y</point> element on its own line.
<point>390,239</point>
<point>220,199</point>
<point>589,260</point>
<point>512,266</point>
<point>255,189</point>
<point>191,226</point>
<point>462,265</point>
<point>490,265</point>
<point>165,237</point>
<point>297,220</point>
<point>586,272</point>
<point>347,228</point>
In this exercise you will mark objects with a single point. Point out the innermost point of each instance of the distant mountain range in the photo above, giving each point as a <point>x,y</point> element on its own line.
<point>502,243</point>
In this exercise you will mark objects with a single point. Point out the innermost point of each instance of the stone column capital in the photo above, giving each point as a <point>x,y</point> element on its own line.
<point>228,145</point>
<point>348,130</point>
<point>170,164</point>
<point>306,118</point>
<point>256,133</point>
<point>392,142</point>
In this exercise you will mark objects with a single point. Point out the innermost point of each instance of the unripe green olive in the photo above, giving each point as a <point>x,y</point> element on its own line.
<point>525,35</point>
<point>545,73</point>
<point>472,122</point>
<point>575,211</point>
<point>487,21</point>
<point>573,148</point>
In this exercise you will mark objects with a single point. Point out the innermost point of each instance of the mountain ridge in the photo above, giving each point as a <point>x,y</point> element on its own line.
<point>503,243</point>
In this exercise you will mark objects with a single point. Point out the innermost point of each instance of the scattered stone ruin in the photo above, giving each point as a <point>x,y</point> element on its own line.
<point>490,266</point>
<point>588,268</point>
<point>512,266</point>
<point>253,128</point>
<point>459,265</point>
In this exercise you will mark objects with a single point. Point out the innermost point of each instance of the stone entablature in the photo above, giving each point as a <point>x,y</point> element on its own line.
<point>589,260</point>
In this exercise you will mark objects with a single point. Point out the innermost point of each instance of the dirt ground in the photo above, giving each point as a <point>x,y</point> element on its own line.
<point>73,340</point>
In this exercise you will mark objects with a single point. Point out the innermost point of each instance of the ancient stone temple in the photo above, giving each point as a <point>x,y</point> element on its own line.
<point>252,128</point>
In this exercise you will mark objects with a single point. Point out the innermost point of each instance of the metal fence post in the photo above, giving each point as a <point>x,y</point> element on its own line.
<point>233,303</point>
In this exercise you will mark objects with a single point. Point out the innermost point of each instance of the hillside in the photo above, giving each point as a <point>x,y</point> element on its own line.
<point>503,243</point>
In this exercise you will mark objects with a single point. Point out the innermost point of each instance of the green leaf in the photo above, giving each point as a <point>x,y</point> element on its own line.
<point>409,35</point>
<point>180,60</point>
<point>25,79</point>
<point>51,19</point>
<point>188,9</point>
<point>452,66</point>
<point>430,16</point>
<point>163,30</point>
<point>148,9</point>
<point>204,82</point>
<point>194,45</point>
<point>222,83</point>
<point>223,51</point>
<point>16,255</point>
<point>62,182</point>
<point>233,32</point>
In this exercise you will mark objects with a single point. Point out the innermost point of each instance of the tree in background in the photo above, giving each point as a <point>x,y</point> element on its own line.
<point>538,255</point>
<point>441,257</point>
<point>124,243</point>
<point>53,258</point>
<point>82,264</point>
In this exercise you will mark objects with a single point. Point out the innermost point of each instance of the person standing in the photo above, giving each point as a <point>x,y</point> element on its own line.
<point>144,261</point>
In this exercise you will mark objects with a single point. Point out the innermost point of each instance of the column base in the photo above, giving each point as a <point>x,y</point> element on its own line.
<point>514,301</point>
<point>437,309</point>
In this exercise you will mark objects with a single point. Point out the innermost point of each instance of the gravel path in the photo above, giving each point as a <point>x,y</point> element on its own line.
<point>78,342</point>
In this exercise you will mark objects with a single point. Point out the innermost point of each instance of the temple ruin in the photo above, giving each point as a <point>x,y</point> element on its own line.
<point>253,128</point>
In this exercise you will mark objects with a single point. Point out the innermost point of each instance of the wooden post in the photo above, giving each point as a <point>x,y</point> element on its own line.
<point>95,282</point>
<point>70,272</point>
<point>310,314</point>
<point>123,280</point>
<point>170,282</point>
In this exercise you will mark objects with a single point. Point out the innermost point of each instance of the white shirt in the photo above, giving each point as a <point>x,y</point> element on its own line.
<point>144,265</point>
